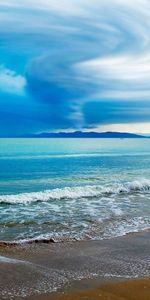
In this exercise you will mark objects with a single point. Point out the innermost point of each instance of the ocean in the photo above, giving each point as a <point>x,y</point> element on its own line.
<point>73,189</point>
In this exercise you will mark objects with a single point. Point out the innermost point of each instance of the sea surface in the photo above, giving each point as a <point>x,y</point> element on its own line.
<point>73,188</point>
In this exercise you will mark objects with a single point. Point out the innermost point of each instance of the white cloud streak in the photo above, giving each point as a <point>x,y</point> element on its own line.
<point>11,82</point>
<point>126,71</point>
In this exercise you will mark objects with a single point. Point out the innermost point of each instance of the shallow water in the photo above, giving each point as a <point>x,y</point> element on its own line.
<point>73,188</point>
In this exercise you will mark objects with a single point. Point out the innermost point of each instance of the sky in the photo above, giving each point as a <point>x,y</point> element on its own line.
<point>74,65</point>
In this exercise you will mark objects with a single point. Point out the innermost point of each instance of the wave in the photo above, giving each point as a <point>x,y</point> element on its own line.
<point>76,155</point>
<point>77,192</point>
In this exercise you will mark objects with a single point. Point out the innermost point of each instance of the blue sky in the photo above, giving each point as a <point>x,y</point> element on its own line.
<point>74,65</point>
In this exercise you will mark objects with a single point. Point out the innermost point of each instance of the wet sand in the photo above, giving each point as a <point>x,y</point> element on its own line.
<point>77,270</point>
<point>128,290</point>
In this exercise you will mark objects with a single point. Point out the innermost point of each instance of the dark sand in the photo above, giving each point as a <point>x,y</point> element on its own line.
<point>81,270</point>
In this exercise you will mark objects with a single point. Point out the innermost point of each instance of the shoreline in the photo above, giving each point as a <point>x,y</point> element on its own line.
<point>31,271</point>
<point>58,240</point>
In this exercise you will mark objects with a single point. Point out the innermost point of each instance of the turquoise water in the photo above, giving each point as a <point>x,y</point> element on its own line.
<point>73,188</point>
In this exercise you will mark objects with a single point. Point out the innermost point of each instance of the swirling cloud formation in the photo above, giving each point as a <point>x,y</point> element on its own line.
<point>74,64</point>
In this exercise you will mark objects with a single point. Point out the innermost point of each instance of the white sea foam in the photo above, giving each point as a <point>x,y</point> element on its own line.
<point>87,191</point>
<point>138,185</point>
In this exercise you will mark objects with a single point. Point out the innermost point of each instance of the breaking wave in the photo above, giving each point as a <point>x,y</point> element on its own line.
<point>138,186</point>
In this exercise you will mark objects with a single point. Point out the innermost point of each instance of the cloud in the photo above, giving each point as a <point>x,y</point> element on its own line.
<point>86,63</point>
<point>107,58</point>
<point>11,82</point>
<point>130,127</point>
<point>112,112</point>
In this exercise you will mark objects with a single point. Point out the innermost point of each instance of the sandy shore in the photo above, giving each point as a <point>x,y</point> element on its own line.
<point>77,270</point>
<point>128,290</point>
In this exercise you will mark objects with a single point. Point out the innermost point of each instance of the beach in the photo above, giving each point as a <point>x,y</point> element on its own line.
<point>74,150</point>
<point>74,218</point>
<point>77,270</point>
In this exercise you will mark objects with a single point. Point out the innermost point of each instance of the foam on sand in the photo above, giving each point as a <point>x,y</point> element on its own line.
<point>7,260</point>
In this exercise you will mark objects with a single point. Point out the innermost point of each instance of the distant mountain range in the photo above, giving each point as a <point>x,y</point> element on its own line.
<point>83,134</point>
